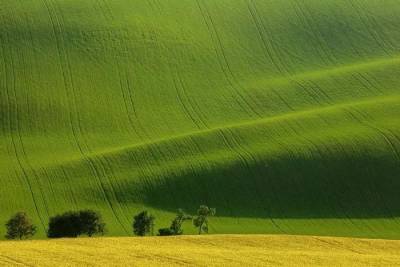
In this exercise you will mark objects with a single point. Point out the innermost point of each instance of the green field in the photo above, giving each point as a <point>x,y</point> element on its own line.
<point>282,114</point>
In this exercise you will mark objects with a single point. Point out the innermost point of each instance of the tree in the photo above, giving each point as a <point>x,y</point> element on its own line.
<point>165,232</point>
<point>76,223</point>
<point>201,220</point>
<point>143,224</point>
<point>20,227</point>
<point>64,225</point>
<point>91,223</point>
<point>176,225</point>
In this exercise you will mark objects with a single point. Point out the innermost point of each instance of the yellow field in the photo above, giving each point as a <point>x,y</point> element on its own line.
<point>217,250</point>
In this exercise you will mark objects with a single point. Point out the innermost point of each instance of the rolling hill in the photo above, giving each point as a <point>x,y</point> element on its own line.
<point>284,115</point>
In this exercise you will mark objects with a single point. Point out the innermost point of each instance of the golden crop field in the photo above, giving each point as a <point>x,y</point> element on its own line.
<point>215,250</point>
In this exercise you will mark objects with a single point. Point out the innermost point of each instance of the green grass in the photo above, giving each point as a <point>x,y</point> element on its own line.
<point>284,115</point>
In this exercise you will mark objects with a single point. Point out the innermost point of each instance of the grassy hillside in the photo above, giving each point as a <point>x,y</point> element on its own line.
<point>284,115</point>
<point>236,250</point>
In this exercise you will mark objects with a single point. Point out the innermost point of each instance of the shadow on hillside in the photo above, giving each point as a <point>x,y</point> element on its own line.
<point>288,187</point>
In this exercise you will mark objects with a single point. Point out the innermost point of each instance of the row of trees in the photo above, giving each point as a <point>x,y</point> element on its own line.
<point>89,222</point>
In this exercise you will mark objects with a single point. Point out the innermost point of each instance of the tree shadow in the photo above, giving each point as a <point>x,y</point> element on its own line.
<point>361,186</point>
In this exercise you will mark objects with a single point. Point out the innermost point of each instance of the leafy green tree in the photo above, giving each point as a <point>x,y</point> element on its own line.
<point>64,225</point>
<point>165,232</point>
<point>91,223</point>
<point>143,224</point>
<point>76,223</point>
<point>201,220</point>
<point>20,227</point>
<point>176,225</point>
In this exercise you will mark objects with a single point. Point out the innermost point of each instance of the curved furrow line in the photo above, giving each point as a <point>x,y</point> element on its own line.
<point>17,155</point>
<point>283,100</point>
<point>301,136</point>
<point>40,182</point>
<point>380,31</point>
<point>322,155</point>
<point>18,142</point>
<point>367,27</point>
<point>181,102</point>
<point>36,61</point>
<point>371,85</point>
<point>358,77</point>
<point>350,110</point>
<point>225,67</point>
<point>324,44</point>
<point>100,175</point>
<point>108,172</point>
<point>354,48</point>
<point>302,17</point>
<point>258,186</point>
<point>267,52</point>
<point>376,64</point>
<point>216,50</point>
<point>243,160</point>
<point>316,153</point>
<point>205,159</point>
<point>316,88</point>
<point>132,122</point>
<point>273,49</point>
<point>366,225</point>
<point>193,104</point>
<point>364,121</point>
<point>137,120</point>
<point>69,86</point>
<point>152,153</point>
<point>191,110</point>
<point>313,97</point>
<point>71,191</point>
<point>248,124</point>
<point>124,80</point>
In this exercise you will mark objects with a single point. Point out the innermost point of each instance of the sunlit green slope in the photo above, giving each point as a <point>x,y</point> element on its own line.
<point>284,115</point>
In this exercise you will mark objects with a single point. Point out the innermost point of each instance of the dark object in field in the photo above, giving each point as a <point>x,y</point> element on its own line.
<point>201,220</point>
<point>20,227</point>
<point>76,223</point>
<point>176,225</point>
<point>143,224</point>
<point>165,232</point>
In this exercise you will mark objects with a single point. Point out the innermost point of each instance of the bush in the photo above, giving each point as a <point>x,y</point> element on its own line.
<point>20,227</point>
<point>143,223</point>
<point>165,232</point>
<point>201,220</point>
<point>64,225</point>
<point>176,225</point>
<point>76,223</point>
<point>91,223</point>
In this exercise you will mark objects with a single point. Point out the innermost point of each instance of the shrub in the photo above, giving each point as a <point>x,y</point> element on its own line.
<point>91,223</point>
<point>143,224</point>
<point>64,225</point>
<point>20,227</point>
<point>76,223</point>
<point>165,232</point>
<point>176,225</point>
<point>201,220</point>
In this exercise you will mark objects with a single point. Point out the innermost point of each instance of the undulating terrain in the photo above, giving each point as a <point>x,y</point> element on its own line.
<point>284,115</point>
